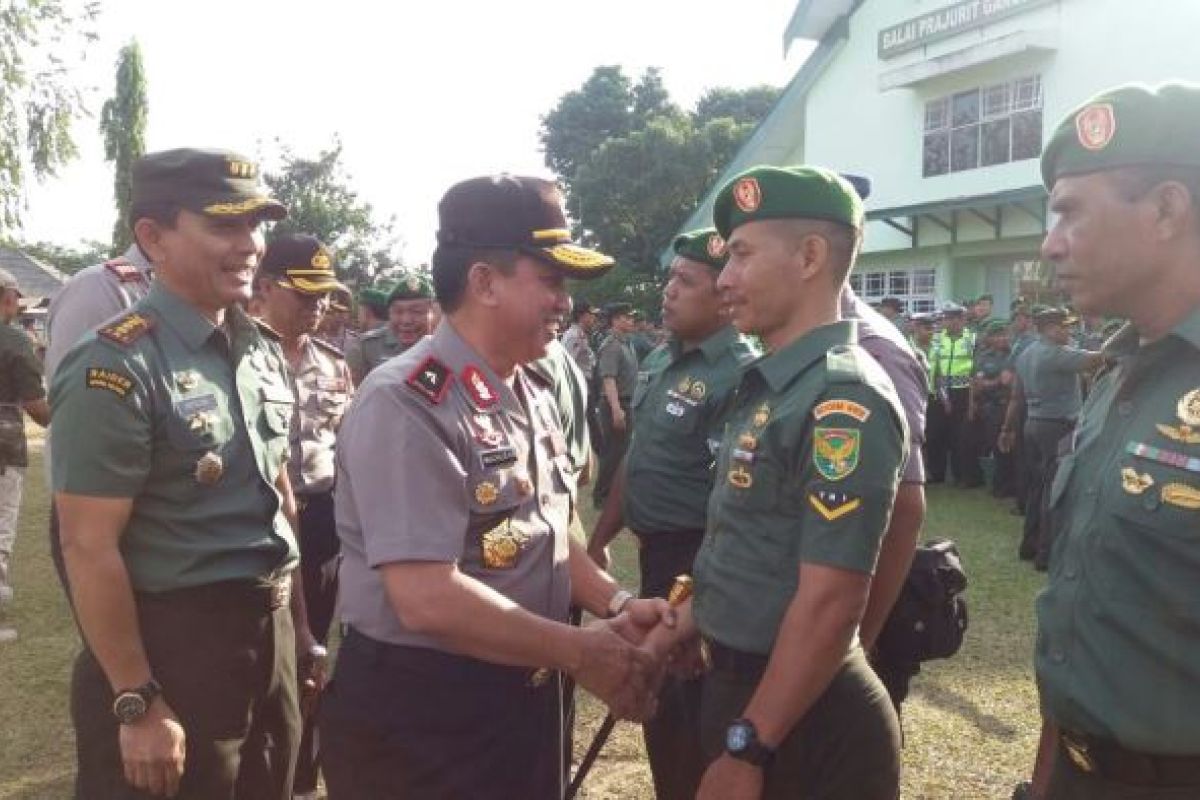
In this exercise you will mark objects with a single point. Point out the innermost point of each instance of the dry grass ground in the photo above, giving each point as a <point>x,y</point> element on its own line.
<point>971,723</point>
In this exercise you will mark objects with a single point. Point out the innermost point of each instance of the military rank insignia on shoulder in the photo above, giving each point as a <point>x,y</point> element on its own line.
<point>127,329</point>
<point>431,380</point>
<point>123,270</point>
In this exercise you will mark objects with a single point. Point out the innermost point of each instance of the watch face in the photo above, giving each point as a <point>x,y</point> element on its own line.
<point>737,738</point>
<point>129,707</point>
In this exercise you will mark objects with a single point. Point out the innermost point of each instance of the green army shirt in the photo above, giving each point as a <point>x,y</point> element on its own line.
<point>558,372</point>
<point>989,364</point>
<point>20,383</point>
<point>372,349</point>
<point>677,419</point>
<point>193,427</point>
<point>616,359</point>
<point>1118,646</point>
<point>807,472</point>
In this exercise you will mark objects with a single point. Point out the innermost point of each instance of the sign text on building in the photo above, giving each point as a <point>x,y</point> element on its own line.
<point>948,21</point>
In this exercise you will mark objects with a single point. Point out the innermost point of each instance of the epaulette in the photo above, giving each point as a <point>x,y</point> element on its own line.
<point>430,379</point>
<point>123,270</point>
<point>327,347</point>
<point>844,364</point>
<point>270,332</point>
<point>127,329</point>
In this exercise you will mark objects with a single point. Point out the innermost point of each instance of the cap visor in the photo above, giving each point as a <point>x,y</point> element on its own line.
<point>309,286</point>
<point>576,261</point>
<point>261,207</point>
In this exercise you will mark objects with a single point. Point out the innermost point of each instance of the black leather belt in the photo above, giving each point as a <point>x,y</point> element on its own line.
<point>735,662</point>
<point>268,594</point>
<point>1108,759</point>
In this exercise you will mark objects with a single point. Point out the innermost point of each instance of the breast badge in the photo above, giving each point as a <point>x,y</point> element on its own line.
<point>1188,411</point>
<point>187,380</point>
<point>762,415</point>
<point>209,469</point>
<point>835,451</point>
<point>500,548</point>
<point>1134,482</point>
<point>740,477</point>
<point>1181,495</point>
<point>486,493</point>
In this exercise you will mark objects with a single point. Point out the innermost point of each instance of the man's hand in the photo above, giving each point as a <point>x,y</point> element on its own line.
<point>152,751</point>
<point>642,615</point>
<point>1005,441</point>
<point>312,671</point>
<point>727,778</point>
<point>625,677</point>
<point>618,418</point>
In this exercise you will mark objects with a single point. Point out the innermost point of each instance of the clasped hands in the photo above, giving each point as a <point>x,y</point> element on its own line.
<point>625,659</point>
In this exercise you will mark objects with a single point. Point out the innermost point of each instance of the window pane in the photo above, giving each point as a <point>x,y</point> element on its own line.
<point>997,100</point>
<point>897,283</point>
<point>937,114</point>
<point>964,148</point>
<point>1026,135</point>
<point>995,142</point>
<point>936,155</point>
<point>875,284</point>
<point>1028,93</point>
<point>966,108</point>
<point>924,281</point>
<point>922,306</point>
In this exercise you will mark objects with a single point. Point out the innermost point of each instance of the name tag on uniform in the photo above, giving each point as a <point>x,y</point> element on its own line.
<point>675,409</point>
<point>196,405</point>
<point>497,457</point>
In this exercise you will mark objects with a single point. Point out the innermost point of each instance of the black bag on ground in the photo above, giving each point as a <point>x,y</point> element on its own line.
<point>929,619</point>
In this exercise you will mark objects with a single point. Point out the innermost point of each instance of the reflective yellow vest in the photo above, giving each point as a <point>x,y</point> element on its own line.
<point>953,360</point>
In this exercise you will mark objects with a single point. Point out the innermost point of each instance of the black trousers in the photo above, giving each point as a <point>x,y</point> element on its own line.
<point>1041,450</point>
<point>847,747</point>
<point>318,546</point>
<point>615,443</point>
<point>673,736</point>
<point>1004,474</point>
<point>949,439</point>
<point>410,722</point>
<point>227,664</point>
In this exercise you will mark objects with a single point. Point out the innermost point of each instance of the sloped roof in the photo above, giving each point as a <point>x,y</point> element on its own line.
<point>35,278</point>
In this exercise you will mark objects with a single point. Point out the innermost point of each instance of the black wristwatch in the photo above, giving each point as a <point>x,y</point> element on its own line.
<point>741,742</point>
<point>131,705</point>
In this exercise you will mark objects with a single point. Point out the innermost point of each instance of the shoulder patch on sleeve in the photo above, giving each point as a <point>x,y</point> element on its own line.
<point>833,505</point>
<point>112,380</point>
<point>327,347</point>
<point>431,379</point>
<point>127,329</point>
<point>847,408</point>
<point>123,270</point>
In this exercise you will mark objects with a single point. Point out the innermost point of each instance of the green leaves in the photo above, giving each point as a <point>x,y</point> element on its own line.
<point>123,124</point>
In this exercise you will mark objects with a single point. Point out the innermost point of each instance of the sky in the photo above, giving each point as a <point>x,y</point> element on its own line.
<point>421,94</point>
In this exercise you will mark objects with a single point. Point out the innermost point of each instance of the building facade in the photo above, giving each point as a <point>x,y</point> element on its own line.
<point>945,107</point>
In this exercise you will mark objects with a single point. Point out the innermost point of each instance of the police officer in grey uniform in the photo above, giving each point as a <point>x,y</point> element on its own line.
<point>458,569</point>
<point>294,284</point>
<point>1047,393</point>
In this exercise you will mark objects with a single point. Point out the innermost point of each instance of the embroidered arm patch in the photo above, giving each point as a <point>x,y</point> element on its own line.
<point>103,378</point>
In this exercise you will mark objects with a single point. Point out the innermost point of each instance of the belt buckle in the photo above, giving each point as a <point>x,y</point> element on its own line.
<point>1077,751</point>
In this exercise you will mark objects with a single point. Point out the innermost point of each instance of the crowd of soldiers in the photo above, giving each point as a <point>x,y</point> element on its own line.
<point>224,477</point>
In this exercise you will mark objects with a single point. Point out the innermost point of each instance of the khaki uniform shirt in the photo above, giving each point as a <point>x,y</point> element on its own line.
<point>617,360</point>
<point>440,460</point>
<point>1118,646</point>
<point>1049,376</point>
<point>323,389</point>
<point>807,473</point>
<point>678,415</point>
<point>20,383</point>
<point>191,422</point>
<point>370,350</point>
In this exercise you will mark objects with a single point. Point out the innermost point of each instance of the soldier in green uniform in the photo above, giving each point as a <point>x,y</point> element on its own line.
<point>617,374</point>
<point>990,387</point>
<point>410,316</point>
<point>661,491</point>
<point>176,512</point>
<point>295,282</point>
<point>21,390</point>
<point>1118,645</point>
<point>805,479</point>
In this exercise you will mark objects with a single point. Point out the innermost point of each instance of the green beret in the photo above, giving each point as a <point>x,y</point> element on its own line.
<point>1128,126</point>
<point>704,245</point>
<point>800,192</point>
<point>374,299</point>
<point>411,286</point>
<point>994,326</point>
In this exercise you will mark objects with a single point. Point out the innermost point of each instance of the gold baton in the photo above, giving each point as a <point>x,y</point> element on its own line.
<point>681,590</point>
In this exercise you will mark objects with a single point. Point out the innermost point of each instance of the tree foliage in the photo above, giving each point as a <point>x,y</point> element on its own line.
<point>38,96</point>
<point>321,203</point>
<point>123,123</point>
<point>634,166</point>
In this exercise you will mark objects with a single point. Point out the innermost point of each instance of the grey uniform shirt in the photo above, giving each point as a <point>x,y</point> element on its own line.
<point>323,389</point>
<point>888,346</point>
<point>575,340</point>
<point>1049,376</point>
<point>617,360</point>
<point>440,461</point>
<point>93,295</point>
